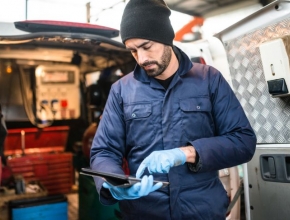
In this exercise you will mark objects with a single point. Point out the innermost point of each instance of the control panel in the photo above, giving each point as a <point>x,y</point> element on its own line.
<point>57,92</point>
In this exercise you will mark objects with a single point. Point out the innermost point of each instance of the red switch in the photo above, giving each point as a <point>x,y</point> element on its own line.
<point>63,103</point>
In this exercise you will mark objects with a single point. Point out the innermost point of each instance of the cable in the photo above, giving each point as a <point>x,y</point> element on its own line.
<point>28,106</point>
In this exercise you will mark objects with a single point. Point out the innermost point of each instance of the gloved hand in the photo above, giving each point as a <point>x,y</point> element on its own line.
<point>135,191</point>
<point>161,161</point>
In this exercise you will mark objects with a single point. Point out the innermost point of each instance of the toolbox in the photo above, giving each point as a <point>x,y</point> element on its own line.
<point>39,154</point>
<point>7,195</point>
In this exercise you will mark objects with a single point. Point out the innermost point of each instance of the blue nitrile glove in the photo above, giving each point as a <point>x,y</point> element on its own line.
<point>135,191</point>
<point>161,161</point>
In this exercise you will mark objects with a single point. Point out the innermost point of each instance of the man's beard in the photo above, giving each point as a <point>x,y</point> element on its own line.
<point>161,67</point>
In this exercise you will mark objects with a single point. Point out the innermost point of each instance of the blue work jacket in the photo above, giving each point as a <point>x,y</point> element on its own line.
<point>198,108</point>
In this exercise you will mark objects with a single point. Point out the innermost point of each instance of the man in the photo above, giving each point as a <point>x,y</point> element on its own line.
<point>171,119</point>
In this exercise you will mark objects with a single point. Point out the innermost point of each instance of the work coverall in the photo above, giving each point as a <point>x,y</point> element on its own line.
<point>199,109</point>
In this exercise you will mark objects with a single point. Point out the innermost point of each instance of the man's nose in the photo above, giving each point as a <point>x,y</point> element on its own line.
<point>142,57</point>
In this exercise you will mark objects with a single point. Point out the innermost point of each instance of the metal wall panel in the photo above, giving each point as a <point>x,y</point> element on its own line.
<point>268,116</point>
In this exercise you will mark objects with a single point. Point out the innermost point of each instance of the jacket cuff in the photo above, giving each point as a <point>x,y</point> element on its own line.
<point>106,197</point>
<point>195,167</point>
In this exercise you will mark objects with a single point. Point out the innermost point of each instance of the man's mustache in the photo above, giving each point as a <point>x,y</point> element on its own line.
<point>148,63</point>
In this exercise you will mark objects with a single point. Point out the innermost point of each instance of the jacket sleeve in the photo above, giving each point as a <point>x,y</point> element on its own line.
<point>234,142</point>
<point>108,146</point>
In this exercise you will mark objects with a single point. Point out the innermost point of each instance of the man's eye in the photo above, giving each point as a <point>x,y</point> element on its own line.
<point>146,48</point>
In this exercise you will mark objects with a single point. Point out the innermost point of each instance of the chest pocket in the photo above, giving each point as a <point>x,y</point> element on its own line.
<point>196,117</point>
<point>139,124</point>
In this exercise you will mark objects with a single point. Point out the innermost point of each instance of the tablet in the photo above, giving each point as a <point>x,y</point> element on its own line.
<point>116,179</point>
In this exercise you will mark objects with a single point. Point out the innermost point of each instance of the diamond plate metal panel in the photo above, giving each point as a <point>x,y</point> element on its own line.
<point>268,116</point>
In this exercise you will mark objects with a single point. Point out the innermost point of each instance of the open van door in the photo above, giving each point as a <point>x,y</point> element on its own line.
<point>259,69</point>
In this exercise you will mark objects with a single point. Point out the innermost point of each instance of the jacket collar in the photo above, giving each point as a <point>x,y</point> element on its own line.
<point>184,66</point>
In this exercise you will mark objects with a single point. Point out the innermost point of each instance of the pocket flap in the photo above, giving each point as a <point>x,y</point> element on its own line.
<point>199,104</point>
<point>137,111</point>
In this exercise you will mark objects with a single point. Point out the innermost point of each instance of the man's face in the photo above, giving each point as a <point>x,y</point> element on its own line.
<point>152,56</point>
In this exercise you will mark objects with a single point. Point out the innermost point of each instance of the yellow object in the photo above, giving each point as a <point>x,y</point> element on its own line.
<point>8,68</point>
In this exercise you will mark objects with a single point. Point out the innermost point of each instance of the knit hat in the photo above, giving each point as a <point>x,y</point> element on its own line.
<point>147,19</point>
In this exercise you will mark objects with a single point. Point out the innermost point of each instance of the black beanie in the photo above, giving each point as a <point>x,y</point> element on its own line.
<point>147,19</point>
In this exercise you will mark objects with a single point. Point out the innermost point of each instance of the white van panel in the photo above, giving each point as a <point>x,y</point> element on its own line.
<point>269,199</point>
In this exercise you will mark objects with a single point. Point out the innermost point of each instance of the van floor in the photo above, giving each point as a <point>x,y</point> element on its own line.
<point>73,206</point>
